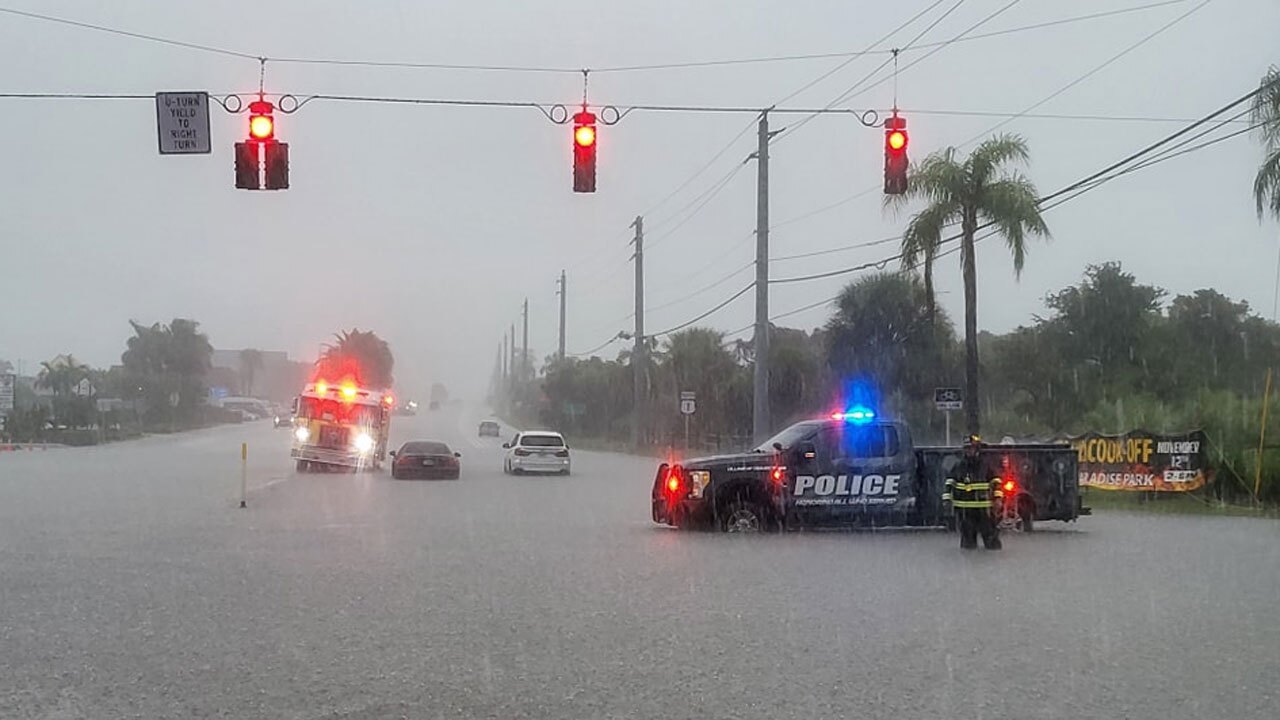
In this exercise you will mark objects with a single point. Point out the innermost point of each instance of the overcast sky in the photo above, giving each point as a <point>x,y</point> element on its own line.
<point>430,225</point>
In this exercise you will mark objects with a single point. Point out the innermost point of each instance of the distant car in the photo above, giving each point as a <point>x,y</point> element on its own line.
<point>489,428</point>
<point>435,405</point>
<point>283,419</point>
<point>425,459</point>
<point>540,451</point>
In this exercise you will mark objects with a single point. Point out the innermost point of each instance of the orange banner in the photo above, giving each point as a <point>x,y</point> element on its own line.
<point>1139,460</point>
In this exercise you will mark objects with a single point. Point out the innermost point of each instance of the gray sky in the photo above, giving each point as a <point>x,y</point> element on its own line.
<point>430,225</point>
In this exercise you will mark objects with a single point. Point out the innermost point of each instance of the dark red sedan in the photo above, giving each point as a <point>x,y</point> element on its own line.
<point>425,459</point>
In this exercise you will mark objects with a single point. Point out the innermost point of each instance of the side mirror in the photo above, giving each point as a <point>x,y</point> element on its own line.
<point>392,453</point>
<point>506,445</point>
<point>777,446</point>
<point>457,454</point>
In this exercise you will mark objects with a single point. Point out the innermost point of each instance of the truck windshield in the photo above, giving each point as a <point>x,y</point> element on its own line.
<point>334,411</point>
<point>790,436</point>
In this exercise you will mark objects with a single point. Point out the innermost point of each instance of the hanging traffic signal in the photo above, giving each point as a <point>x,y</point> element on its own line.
<point>262,162</point>
<point>247,166</point>
<point>584,152</point>
<point>262,125</point>
<point>275,163</point>
<point>895,155</point>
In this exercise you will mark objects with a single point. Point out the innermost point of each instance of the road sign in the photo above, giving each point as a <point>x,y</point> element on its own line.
<point>688,402</point>
<point>948,398</point>
<point>6,391</point>
<point>182,122</point>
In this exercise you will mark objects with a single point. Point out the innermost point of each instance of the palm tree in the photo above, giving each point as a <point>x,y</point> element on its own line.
<point>1266,114</point>
<point>976,192</point>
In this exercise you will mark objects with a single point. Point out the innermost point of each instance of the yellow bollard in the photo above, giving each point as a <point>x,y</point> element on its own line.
<point>244,472</point>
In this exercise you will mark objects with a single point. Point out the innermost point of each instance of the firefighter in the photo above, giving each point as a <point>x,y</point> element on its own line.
<point>971,496</point>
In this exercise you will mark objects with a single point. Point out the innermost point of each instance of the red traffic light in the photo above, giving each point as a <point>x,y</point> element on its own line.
<point>895,155</point>
<point>262,126</point>
<point>584,152</point>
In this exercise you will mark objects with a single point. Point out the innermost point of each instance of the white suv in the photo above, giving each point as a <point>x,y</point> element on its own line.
<point>536,451</point>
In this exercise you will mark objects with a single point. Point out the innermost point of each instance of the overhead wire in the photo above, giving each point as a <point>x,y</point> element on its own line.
<point>853,89</point>
<point>403,64</point>
<point>1096,69</point>
<point>130,34</point>
<point>1013,116</point>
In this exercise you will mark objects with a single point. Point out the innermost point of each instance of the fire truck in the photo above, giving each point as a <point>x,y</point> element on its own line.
<point>341,425</point>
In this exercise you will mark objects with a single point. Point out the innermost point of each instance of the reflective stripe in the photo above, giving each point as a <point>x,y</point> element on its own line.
<point>973,486</point>
<point>999,493</point>
<point>946,496</point>
<point>971,503</point>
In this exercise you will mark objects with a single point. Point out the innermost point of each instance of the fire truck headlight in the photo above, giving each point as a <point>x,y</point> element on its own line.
<point>302,433</point>
<point>364,442</point>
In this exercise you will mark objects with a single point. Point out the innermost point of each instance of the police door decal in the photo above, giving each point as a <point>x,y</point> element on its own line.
<point>838,490</point>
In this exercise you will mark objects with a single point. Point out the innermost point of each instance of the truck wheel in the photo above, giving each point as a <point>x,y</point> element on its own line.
<point>1026,520</point>
<point>303,466</point>
<point>742,515</point>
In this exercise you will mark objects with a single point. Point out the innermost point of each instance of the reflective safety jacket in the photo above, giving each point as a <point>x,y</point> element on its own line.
<point>965,493</point>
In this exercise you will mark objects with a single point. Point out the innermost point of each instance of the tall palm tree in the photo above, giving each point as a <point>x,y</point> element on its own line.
<point>1266,111</point>
<point>977,192</point>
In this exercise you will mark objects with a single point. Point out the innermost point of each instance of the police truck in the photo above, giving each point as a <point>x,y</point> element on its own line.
<point>853,470</point>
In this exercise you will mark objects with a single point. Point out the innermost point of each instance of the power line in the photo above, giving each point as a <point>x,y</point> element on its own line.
<point>853,89</point>
<point>1051,116</point>
<point>1024,112</point>
<point>831,251</point>
<point>130,34</point>
<point>720,153</point>
<point>707,198</point>
<point>857,55</point>
<point>934,49</point>
<point>597,348</point>
<point>401,64</point>
<point>706,314</point>
<point>703,289</point>
<point>1098,68</point>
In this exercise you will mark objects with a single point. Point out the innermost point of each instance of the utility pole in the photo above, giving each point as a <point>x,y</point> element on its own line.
<point>502,352</point>
<point>638,350</point>
<point>514,374</point>
<point>760,384</point>
<point>524,344</point>
<point>560,292</point>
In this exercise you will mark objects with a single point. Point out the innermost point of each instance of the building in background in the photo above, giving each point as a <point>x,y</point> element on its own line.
<point>272,377</point>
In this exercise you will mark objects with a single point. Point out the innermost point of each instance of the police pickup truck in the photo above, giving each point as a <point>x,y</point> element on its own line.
<point>851,470</point>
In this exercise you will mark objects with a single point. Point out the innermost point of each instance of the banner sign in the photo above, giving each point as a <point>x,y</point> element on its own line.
<point>1141,460</point>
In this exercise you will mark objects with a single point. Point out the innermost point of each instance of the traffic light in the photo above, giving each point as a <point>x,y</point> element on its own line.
<point>247,165</point>
<point>262,162</point>
<point>584,152</point>
<point>276,165</point>
<point>262,125</point>
<point>895,155</point>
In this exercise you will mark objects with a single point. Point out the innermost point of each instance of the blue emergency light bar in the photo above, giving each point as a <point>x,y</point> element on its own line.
<point>856,415</point>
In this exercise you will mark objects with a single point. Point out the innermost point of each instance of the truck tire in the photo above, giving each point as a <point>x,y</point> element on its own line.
<point>743,515</point>
<point>303,466</point>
